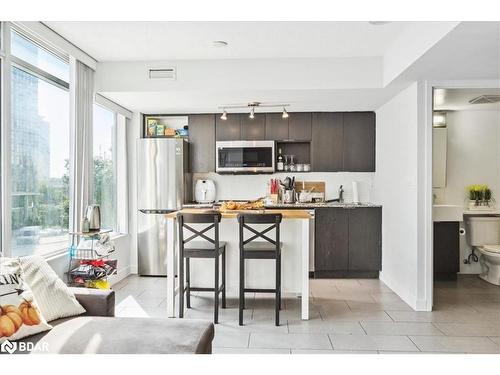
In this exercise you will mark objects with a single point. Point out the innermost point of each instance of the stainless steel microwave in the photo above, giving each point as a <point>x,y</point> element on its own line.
<point>244,157</point>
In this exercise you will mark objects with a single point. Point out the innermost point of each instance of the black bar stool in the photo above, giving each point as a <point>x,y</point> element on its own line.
<point>210,248</point>
<point>268,249</point>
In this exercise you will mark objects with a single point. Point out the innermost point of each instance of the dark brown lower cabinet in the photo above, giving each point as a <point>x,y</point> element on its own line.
<point>348,242</point>
<point>331,246</point>
<point>365,239</point>
<point>446,250</point>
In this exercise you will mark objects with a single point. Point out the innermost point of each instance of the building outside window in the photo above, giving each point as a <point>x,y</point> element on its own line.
<point>40,127</point>
<point>104,150</point>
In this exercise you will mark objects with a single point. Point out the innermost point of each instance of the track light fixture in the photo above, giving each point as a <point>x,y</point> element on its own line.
<point>252,106</point>
<point>285,113</point>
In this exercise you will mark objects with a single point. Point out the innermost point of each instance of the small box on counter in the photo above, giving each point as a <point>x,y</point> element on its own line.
<point>272,199</point>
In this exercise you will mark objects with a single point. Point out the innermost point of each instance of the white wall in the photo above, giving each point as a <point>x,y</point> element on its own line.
<point>243,74</point>
<point>201,86</point>
<point>473,157</point>
<point>395,187</point>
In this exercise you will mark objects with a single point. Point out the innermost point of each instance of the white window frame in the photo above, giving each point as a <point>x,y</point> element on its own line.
<point>8,61</point>
<point>5,137</point>
<point>120,166</point>
<point>123,118</point>
<point>113,145</point>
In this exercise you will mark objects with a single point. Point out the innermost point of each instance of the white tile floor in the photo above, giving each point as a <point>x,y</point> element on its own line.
<point>347,316</point>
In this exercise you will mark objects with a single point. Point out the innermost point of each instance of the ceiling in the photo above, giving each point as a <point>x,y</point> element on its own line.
<point>458,99</point>
<point>311,65</point>
<point>150,41</point>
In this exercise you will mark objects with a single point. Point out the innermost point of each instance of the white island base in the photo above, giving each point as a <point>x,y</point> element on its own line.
<point>295,236</point>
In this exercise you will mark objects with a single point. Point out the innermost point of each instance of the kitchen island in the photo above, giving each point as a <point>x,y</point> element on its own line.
<point>295,235</point>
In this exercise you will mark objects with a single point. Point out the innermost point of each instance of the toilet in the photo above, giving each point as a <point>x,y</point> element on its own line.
<point>483,234</point>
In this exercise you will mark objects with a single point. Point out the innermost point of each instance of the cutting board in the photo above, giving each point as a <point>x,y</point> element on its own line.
<point>319,186</point>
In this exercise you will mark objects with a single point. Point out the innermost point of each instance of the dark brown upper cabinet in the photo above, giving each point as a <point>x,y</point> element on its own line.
<point>276,127</point>
<point>335,141</point>
<point>253,129</point>
<point>202,143</point>
<point>359,142</point>
<point>230,129</point>
<point>327,142</point>
<point>299,126</point>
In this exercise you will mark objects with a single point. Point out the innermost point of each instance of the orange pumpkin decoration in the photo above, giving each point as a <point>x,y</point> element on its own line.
<point>10,320</point>
<point>29,314</point>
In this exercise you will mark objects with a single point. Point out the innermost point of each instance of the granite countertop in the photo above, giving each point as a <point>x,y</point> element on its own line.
<point>325,204</point>
<point>301,205</point>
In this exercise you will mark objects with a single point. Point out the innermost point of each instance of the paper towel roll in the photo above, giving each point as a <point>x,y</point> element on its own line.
<point>355,196</point>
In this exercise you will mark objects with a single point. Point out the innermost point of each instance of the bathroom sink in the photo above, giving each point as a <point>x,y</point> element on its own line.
<point>447,212</point>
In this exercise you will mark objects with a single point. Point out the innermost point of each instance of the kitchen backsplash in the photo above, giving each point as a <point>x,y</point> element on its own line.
<point>254,186</point>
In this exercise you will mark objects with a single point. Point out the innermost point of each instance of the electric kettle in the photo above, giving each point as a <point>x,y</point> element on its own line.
<point>93,215</point>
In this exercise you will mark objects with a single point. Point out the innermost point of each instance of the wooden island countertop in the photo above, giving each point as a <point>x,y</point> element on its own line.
<point>287,213</point>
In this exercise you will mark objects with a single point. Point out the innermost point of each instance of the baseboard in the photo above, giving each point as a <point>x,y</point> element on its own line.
<point>120,275</point>
<point>408,298</point>
<point>445,276</point>
<point>134,269</point>
<point>422,305</point>
<point>346,274</point>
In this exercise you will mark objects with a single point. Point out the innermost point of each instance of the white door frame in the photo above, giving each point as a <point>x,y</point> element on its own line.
<point>425,231</point>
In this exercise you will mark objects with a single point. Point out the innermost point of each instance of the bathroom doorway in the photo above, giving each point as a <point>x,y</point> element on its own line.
<point>466,201</point>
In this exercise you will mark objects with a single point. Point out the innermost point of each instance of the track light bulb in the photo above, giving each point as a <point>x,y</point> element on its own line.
<point>224,115</point>
<point>252,113</point>
<point>285,113</point>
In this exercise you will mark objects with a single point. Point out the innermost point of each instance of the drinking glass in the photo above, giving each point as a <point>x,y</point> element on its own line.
<point>286,167</point>
<point>292,164</point>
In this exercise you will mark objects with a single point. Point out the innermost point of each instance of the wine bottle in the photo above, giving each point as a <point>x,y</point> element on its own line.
<point>280,166</point>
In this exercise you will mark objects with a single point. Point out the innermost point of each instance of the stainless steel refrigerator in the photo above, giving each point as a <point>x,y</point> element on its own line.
<point>163,185</point>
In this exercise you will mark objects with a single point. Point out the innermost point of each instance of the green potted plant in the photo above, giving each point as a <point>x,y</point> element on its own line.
<point>480,197</point>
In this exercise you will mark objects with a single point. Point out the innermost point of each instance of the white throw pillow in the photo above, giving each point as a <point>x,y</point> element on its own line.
<point>19,313</point>
<point>55,299</point>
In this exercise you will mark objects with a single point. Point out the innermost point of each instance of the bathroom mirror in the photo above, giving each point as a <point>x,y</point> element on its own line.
<point>439,143</point>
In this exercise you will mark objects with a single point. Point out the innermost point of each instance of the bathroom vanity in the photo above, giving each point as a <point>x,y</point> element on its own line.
<point>446,250</point>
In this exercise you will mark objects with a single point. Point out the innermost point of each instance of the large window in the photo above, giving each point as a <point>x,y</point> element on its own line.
<point>104,192</point>
<point>39,149</point>
<point>37,156</point>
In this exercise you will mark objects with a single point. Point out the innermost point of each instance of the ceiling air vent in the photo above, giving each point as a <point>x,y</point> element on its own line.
<point>163,73</point>
<point>485,99</point>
